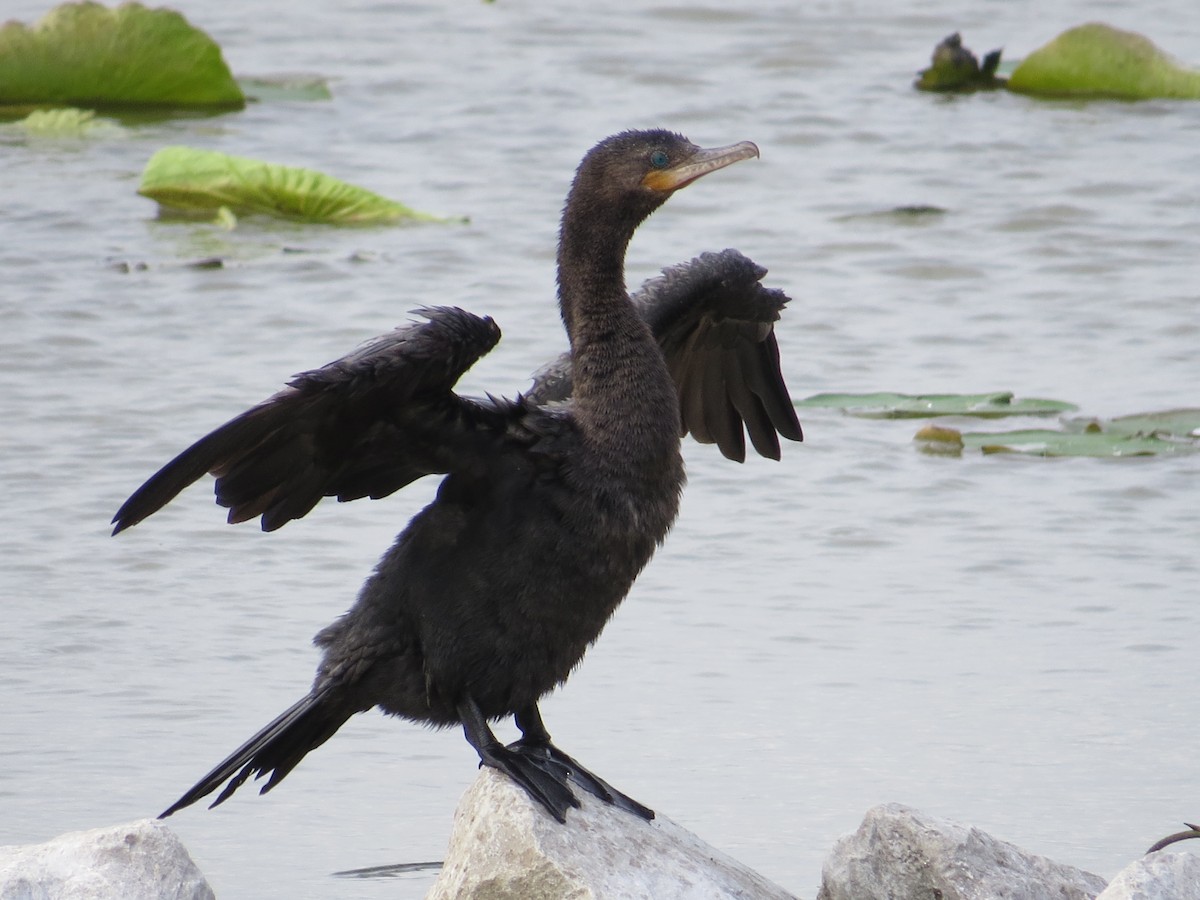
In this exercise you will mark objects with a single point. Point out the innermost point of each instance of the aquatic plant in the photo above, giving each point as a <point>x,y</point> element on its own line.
<point>65,122</point>
<point>955,68</point>
<point>86,54</point>
<point>1092,60</point>
<point>1148,434</point>
<point>1101,61</point>
<point>193,180</point>
<point>887,405</point>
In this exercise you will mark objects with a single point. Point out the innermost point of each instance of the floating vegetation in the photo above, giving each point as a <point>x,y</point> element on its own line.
<point>955,68</point>
<point>1149,434</point>
<point>939,440</point>
<point>908,214</point>
<point>85,54</point>
<point>916,211</point>
<point>1172,431</point>
<point>68,122</point>
<point>919,406</point>
<point>1092,60</point>
<point>191,181</point>
<point>1175,422</point>
<point>1097,60</point>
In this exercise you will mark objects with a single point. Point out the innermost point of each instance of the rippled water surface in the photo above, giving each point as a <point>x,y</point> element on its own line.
<point>1003,641</point>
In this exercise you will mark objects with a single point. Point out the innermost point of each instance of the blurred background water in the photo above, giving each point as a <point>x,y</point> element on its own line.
<point>1003,641</point>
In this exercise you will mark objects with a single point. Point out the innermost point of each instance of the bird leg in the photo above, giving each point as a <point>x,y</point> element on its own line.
<point>534,744</point>
<point>545,784</point>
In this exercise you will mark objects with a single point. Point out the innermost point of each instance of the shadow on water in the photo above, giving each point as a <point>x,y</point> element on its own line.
<point>391,871</point>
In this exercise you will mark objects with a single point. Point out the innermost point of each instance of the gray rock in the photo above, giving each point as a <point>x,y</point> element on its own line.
<point>1165,875</point>
<point>902,854</point>
<point>140,861</point>
<point>503,847</point>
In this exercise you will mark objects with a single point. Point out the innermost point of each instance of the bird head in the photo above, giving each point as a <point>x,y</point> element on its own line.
<point>636,171</point>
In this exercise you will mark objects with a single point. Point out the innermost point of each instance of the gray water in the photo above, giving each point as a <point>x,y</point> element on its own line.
<point>1008,642</point>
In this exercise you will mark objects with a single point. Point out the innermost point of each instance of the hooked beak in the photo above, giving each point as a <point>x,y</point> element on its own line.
<point>697,165</point>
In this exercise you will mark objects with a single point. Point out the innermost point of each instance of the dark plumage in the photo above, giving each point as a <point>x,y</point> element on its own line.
<point>714,323</point>
<point>548,510</point>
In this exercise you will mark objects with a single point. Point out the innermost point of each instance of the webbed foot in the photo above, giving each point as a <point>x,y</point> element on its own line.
<point>543,755</point>
<point>545,784</point>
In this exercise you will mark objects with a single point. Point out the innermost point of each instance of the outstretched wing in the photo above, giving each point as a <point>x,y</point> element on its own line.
<point>715,323</point>
<point>364,425</point>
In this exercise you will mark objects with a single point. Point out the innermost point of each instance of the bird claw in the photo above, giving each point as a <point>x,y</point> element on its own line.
<point>547,758</point>
<point>544,784</point>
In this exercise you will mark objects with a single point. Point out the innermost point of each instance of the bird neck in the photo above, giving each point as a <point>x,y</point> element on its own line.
<point>624,399</point>
<point>591,266</point>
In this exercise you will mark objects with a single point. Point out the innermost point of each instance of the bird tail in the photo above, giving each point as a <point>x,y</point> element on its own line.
<point>277,748</point>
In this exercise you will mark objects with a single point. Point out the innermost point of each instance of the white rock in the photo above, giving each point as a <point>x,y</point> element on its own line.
<point>504,847</point>
<point>899,852</point>
<point>1164,875</point>
<point>143,860</point>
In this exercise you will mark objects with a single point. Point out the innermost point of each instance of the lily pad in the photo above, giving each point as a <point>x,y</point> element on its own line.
<point>1098,60</point>
<point>191,180</point>
<point>1174,422</point>
<point>939,440</point>
<point>85,54</point>
<point>920,406</point>
<point>1091,442</point>
<point>68,122</point>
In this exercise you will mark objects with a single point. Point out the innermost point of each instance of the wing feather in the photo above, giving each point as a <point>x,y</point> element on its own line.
<point>364,425</point>
<point>754,415</point>
<point>715,323</point>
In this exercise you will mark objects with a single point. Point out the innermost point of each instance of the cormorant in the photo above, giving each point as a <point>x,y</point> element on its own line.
<point>548,510</point>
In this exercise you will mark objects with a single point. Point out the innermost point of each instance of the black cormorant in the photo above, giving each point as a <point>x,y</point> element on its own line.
<point>548,510</point>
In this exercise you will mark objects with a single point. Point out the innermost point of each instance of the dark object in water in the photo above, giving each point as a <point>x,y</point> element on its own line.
<point>955,68</point>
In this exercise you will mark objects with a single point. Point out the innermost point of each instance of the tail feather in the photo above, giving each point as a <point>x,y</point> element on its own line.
<point>277,748</point>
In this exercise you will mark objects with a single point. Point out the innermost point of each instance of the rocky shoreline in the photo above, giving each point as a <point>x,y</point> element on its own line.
<point>504,848</point>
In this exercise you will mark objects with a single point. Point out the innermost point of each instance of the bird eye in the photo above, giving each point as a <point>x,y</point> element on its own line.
<point>659,159</point>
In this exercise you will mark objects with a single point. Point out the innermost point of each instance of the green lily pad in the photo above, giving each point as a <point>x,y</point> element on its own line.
<point>1174,422</point>
<point>191,180</point>
<point>1098,60</point>
<point>68,122</point>
<point>85,54</point>
<point>1092,442</point>
<point>920,406</point>
<point>1086,443</point>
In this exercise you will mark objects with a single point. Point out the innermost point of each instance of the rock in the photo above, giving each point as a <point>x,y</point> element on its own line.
<point>504,847</point>
<point>1157,876</point>
<point>143,860</point>
<point>899,852</point>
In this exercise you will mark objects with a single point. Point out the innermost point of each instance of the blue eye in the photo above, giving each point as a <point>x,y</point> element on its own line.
<point>659,159</point>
